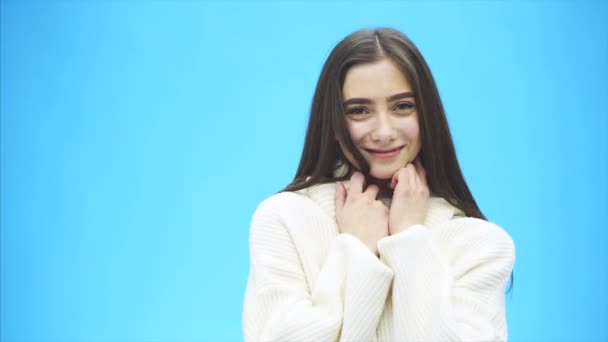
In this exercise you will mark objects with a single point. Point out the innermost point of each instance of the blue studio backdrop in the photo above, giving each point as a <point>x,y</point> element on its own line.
<point>138,137</point>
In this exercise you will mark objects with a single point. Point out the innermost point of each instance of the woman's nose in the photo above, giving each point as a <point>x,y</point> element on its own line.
<point>384,131</point>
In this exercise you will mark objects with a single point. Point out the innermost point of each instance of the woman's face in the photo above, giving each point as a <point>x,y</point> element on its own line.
<point>381,117</point>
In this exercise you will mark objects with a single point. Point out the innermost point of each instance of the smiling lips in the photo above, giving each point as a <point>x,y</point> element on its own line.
<point>385,153</point>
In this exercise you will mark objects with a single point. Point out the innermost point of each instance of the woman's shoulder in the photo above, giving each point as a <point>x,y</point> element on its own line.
<point>312,198</point>
<point>470,241</point>
<point>281,201</point>
<point>294,214</point>
<point>473,228</point>
<point>459,232</point>
<point>454,219</point>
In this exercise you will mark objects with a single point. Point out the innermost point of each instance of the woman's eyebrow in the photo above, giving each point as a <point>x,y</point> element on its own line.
<point>400,96</point>
<point>357,100</point>
<point>360,100</point>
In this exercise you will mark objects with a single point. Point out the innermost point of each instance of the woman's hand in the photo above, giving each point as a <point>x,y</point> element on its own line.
<point>410,198</point>
<point>359,213</point>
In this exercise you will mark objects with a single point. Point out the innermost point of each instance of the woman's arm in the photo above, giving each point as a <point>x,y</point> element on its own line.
<point>449,285</point>
<point>348,294</point>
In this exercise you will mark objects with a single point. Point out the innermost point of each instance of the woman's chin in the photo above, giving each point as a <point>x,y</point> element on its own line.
<point>382,175</point>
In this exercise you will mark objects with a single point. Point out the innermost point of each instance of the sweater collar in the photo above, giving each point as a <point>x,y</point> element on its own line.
<point>439,209</point>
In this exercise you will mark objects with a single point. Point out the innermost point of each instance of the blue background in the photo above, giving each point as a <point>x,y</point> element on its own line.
<point>139,136</point>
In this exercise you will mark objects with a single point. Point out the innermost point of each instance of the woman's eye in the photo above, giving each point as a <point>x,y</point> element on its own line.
<point>404,106</point>
<point>356,111</point>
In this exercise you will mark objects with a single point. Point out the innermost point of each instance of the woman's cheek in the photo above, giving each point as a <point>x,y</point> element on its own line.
<point>411,129</point>
<point>357,132</point>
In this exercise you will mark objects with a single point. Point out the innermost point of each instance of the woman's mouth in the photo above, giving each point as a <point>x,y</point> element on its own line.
<point>385,153</point>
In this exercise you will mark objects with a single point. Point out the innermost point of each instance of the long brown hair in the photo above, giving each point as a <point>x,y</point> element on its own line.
<point>327,124</point>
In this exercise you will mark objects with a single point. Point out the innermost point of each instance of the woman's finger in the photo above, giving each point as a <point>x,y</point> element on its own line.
<point>408,179</point>
<point>372,191</point>
<point>395,179</point>
<point>357,182</point>
<point>340,196</point>
<point>421,171</point>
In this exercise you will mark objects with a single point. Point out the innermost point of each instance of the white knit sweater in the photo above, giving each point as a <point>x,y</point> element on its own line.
<point>441,281</point>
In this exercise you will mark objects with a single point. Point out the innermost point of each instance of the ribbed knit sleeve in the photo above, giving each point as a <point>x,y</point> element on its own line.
<point>449,283</point>
<point>284,303</point>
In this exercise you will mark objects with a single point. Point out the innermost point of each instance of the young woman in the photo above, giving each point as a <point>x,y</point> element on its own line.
<point>378,237</point>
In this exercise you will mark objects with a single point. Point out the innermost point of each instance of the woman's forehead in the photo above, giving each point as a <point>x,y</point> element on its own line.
<point>377,80</point>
